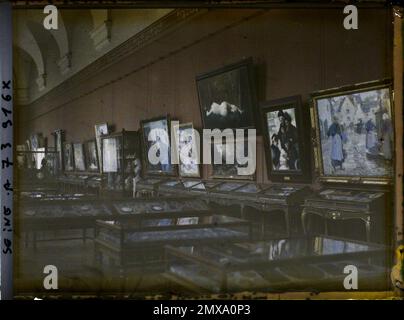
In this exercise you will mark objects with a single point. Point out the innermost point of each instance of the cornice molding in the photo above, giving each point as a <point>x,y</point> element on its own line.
<point>156,30</point>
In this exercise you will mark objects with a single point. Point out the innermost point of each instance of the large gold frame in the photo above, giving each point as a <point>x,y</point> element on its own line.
<point>318,159</point>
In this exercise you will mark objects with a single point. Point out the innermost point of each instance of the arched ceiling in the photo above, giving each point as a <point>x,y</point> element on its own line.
<point>43,58</point>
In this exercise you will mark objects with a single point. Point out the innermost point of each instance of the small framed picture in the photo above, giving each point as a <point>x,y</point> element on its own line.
<point>101,129</point>
<point>286,139</point>
<point>79,159</point>
<point>156,145</point>
<point>354,133</point>
<point>227,96</point>
<point>187,150</point>
<point>91,156</point>
<point>68,156</point>
<point>111,154</point>
<point>59,139</point>
<point>233,158</point>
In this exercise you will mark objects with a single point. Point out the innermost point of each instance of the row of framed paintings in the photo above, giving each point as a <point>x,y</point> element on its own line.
<point>156,135</point>
<point>351,133</point>
<point>351,130</point>
<point>351,125</point>
<point>80,156</point>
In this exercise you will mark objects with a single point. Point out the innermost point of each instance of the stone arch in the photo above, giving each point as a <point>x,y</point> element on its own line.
<point>62,40</point>
<point>26,42</point>
<point>22,73</point>
<point>60,36</point>
<point>101,33</point>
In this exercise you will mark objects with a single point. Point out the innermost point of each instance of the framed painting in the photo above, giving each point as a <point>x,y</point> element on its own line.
<point>58,136</point>
<point>35,140</point>
<point>226,161</point>
<point>91,156</point>
<point>79,159</point>
<point>354,132</point>
<point>187,150</point>
<point>111,154</point>
<point>101,129</point>
<point>156,145</point>
<point>286,139</point>
<point>68,157</point>
<point>227,97</point>
<point>37,144</point>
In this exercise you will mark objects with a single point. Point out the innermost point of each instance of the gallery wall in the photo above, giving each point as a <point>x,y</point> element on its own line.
<point>294,52</point>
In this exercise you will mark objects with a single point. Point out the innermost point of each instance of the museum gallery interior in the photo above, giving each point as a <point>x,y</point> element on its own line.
<point>300,183</point>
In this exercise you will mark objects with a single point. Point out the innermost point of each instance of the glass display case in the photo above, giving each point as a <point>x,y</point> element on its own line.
<point>300,263</point>
<point>251,191</point>
<point>148,186</point>
<point>95,182</point>
<point>48,216</point>
<point>286,194</point>
<point>172,186</point>
<point>74,182</point>
<point>204,187</point>
<point>35,170</point>
<point>120,246</point>
<point>189,184</point>
<point>226,189</point>
<point>120,157</point>
<point>52,196</point>
<point>139,208</point>
<point>367,207</point>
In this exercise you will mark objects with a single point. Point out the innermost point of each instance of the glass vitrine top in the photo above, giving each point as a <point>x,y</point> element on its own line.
<point>53,210</point>
<point>54,195</point>
<point>186,221</point>
<point>281,191</point>
<point>171,183</point>
<point>190,183</point>
<point>277,250</point>
<point>251,188</point>
<point>349,195</point>
<point>138,207</point>
<point>229,186</point>
<point>150,181</point>
<point>199,187</point>
<point>205,185</point>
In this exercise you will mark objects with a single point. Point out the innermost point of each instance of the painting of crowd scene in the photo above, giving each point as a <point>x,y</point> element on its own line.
<point>356,133</point>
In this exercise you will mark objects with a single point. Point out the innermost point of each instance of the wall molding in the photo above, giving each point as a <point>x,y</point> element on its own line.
<point>156,30</point>
<point>69,84</point>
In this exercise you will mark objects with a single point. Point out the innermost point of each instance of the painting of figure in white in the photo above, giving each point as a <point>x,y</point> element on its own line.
<point>187,150</point>
<point>156,142</point>
<point>79,161</point>
<point>91,155</point>
<point>356,133</point>
<point>226,98</point>
<point>68,157</point>
<point>100,130</point>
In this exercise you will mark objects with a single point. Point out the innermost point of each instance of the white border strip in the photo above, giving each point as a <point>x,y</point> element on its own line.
<point>6,152</point>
